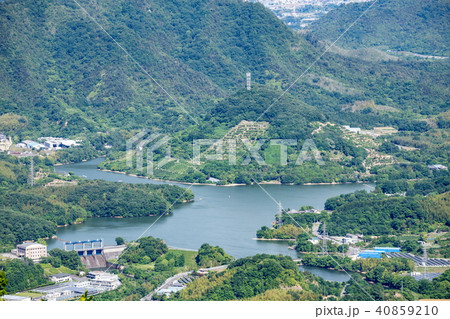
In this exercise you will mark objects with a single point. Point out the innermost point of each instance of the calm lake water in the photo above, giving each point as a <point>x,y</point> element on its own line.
<point>225,216</point>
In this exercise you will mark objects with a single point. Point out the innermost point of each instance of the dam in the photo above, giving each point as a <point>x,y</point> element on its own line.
<point>93,253</point>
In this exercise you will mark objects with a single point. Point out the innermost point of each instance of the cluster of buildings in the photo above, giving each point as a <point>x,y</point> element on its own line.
<point>299,14</point>
<point>71,287</point>
<point>377,131</point>
<point>66,286</point>
<point>48,143</point>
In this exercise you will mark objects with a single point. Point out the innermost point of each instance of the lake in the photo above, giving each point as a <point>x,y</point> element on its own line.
<point>225,216</point>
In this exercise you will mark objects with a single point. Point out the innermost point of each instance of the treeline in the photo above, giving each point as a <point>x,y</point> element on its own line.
<point>359,265</point>
<point>16,227</point>
<point>23,275</point>
<point>58,257</point>
<point>378,214</point>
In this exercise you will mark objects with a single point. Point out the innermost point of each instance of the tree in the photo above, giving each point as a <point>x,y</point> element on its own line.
<point>120,241</point>
<point>211,256</point>
<point>3,283</point>
<point>85,297</point>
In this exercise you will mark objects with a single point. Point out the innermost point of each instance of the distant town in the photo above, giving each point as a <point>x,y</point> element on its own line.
<point>26,147</point>
<point>299,14</point>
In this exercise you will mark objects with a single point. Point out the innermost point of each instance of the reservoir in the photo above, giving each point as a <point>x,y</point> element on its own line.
<point>225,216</point>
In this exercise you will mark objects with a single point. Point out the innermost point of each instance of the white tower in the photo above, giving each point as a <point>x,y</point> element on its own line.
<point>425,260</point>
<point>324,240</point>
<point>31,181</point>
<point>249,81</point>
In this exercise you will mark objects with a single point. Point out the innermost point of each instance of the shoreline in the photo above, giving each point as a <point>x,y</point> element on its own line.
<point>273,239</point>
<point>84,160</point>
<point>169,181</point>
<point>234,184</point>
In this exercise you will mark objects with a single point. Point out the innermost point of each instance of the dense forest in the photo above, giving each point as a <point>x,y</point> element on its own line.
<point>62,75</point>
<point>378,214</point>
<point>23,275</point>
<point>404,25</point>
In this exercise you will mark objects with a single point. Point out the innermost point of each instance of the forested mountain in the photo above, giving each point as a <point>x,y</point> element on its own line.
<point>58,68</point>
<point>64,75</point>
<point>419,26</point>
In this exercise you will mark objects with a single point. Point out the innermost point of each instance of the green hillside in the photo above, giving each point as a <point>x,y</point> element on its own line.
<point>419,26</point>
<point>62,75</point>
<point>62,72</point>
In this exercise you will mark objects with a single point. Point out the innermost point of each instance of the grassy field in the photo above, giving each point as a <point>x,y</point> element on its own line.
<point>189,257</point>
<point>50,270</point>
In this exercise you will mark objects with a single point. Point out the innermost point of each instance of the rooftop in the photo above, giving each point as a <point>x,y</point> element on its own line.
<point>60,275</point>
<point>25,245</point>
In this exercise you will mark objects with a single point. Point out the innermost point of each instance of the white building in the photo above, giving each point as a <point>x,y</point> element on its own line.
<point>32,250</point>
<point>61,277</point>
<point>103,279</point>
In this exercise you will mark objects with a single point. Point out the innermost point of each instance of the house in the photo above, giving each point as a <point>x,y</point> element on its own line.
<point>32,250</point>
<point>61,277</point>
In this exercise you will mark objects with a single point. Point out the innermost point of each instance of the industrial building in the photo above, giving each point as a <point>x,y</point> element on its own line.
<point>32,250</point>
